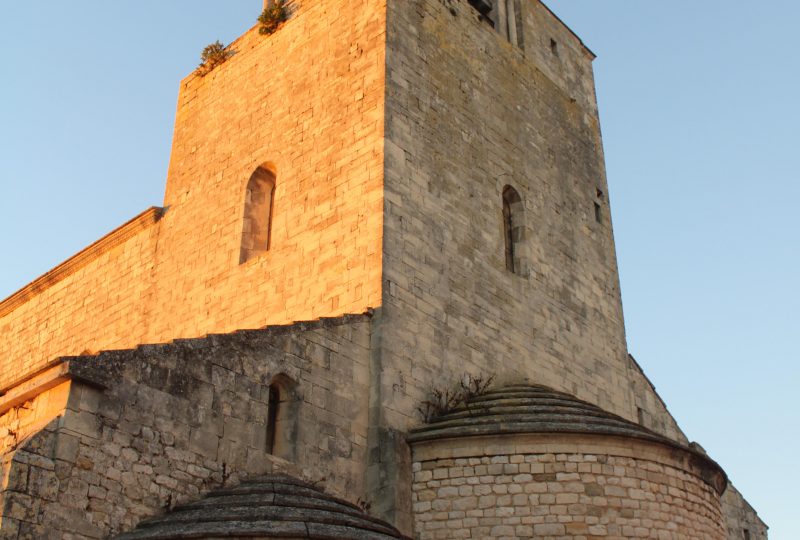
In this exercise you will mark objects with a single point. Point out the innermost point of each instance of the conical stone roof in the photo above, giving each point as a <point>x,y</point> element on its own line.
<point>528,409</point>
<point>520,409</point>
<point>273,506</point>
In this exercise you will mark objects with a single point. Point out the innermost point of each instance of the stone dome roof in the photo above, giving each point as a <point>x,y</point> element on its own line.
<point>272,506</point>
<point>537,409</point>
<point>528,409</point>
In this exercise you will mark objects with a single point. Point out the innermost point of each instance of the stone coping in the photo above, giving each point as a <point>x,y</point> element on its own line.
<point>89,368</point>
<point>55,373</point>
<point>116,237</point>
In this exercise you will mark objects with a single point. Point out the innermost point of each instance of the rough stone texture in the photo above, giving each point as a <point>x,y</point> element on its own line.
<point>176,420</point>
<point>564,487</point>
<point>272,506</point>
<point>466,114</point>
<point>652,412</point>
<point>741,519</point>
<point>307,99</point>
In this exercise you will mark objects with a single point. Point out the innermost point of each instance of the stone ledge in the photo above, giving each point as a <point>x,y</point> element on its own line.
<point>86,368</point>
<point>55,373</point>
<point>39,382</point>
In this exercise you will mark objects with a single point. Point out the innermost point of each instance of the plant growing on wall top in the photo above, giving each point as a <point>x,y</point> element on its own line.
<point>442,401</point>
<point>272,17</point>
<point>212,56</point>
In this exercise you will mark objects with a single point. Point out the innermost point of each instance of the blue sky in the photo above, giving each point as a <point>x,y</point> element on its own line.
<point>699,113</point>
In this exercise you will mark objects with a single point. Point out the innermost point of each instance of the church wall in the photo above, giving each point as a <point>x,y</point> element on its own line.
<point>307,100</point>
<point>741,519</point>
<point>145,429</point>
<point>652,412</point>
<point>468,113</point>
<point>96,300</point>
<point>534,486</point>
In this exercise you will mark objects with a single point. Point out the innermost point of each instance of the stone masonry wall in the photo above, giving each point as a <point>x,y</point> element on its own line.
<point>160,425</point>
<point>652,412</point>
<point>309,101</point>
<point>17,425</point>
<point>561,490</point>
<point>467,114</point>
<point>103,303</point>
<point>741,519</point>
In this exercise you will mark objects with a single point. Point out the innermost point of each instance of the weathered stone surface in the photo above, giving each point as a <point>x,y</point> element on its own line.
<point>158,446</point>
<point>588,486</point>
<point>538,409</point>
<point>741,519</point>
<point>273,506</point>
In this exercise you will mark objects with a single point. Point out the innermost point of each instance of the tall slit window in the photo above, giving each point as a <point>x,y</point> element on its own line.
<point>258,205</point>
<point>513,229</point>
<point>272,416</point>
<point>282,413</point>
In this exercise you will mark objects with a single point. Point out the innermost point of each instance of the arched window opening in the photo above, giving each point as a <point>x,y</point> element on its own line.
<point>504,15</point>
<point>514,229</point>
<point>282,405</point>
<point>272,416</point>
<point>258,204</point>
<point>598,208</point>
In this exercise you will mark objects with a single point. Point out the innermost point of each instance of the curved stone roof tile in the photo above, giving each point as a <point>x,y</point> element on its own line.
<point>272,506</point>
<point>538,409</point>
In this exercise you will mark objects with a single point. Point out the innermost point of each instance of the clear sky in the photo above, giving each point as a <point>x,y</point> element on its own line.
<point>699,110</point>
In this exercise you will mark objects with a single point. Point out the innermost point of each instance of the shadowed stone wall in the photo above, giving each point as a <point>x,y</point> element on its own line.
<point>136,432</point>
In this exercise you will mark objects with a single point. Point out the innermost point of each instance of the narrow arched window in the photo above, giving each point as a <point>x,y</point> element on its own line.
<point>257,223</point>
<point>282,412</point>
<point>513,229</point>
<point>273,409</point>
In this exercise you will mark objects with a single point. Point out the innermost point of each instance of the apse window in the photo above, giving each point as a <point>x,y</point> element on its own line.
<point>513,229</point>
<point>273,409</point>
<point>259,200</point>
<point>282,405</point>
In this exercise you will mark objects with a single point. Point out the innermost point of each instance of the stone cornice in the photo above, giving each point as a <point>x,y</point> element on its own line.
<point>116,237</point>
